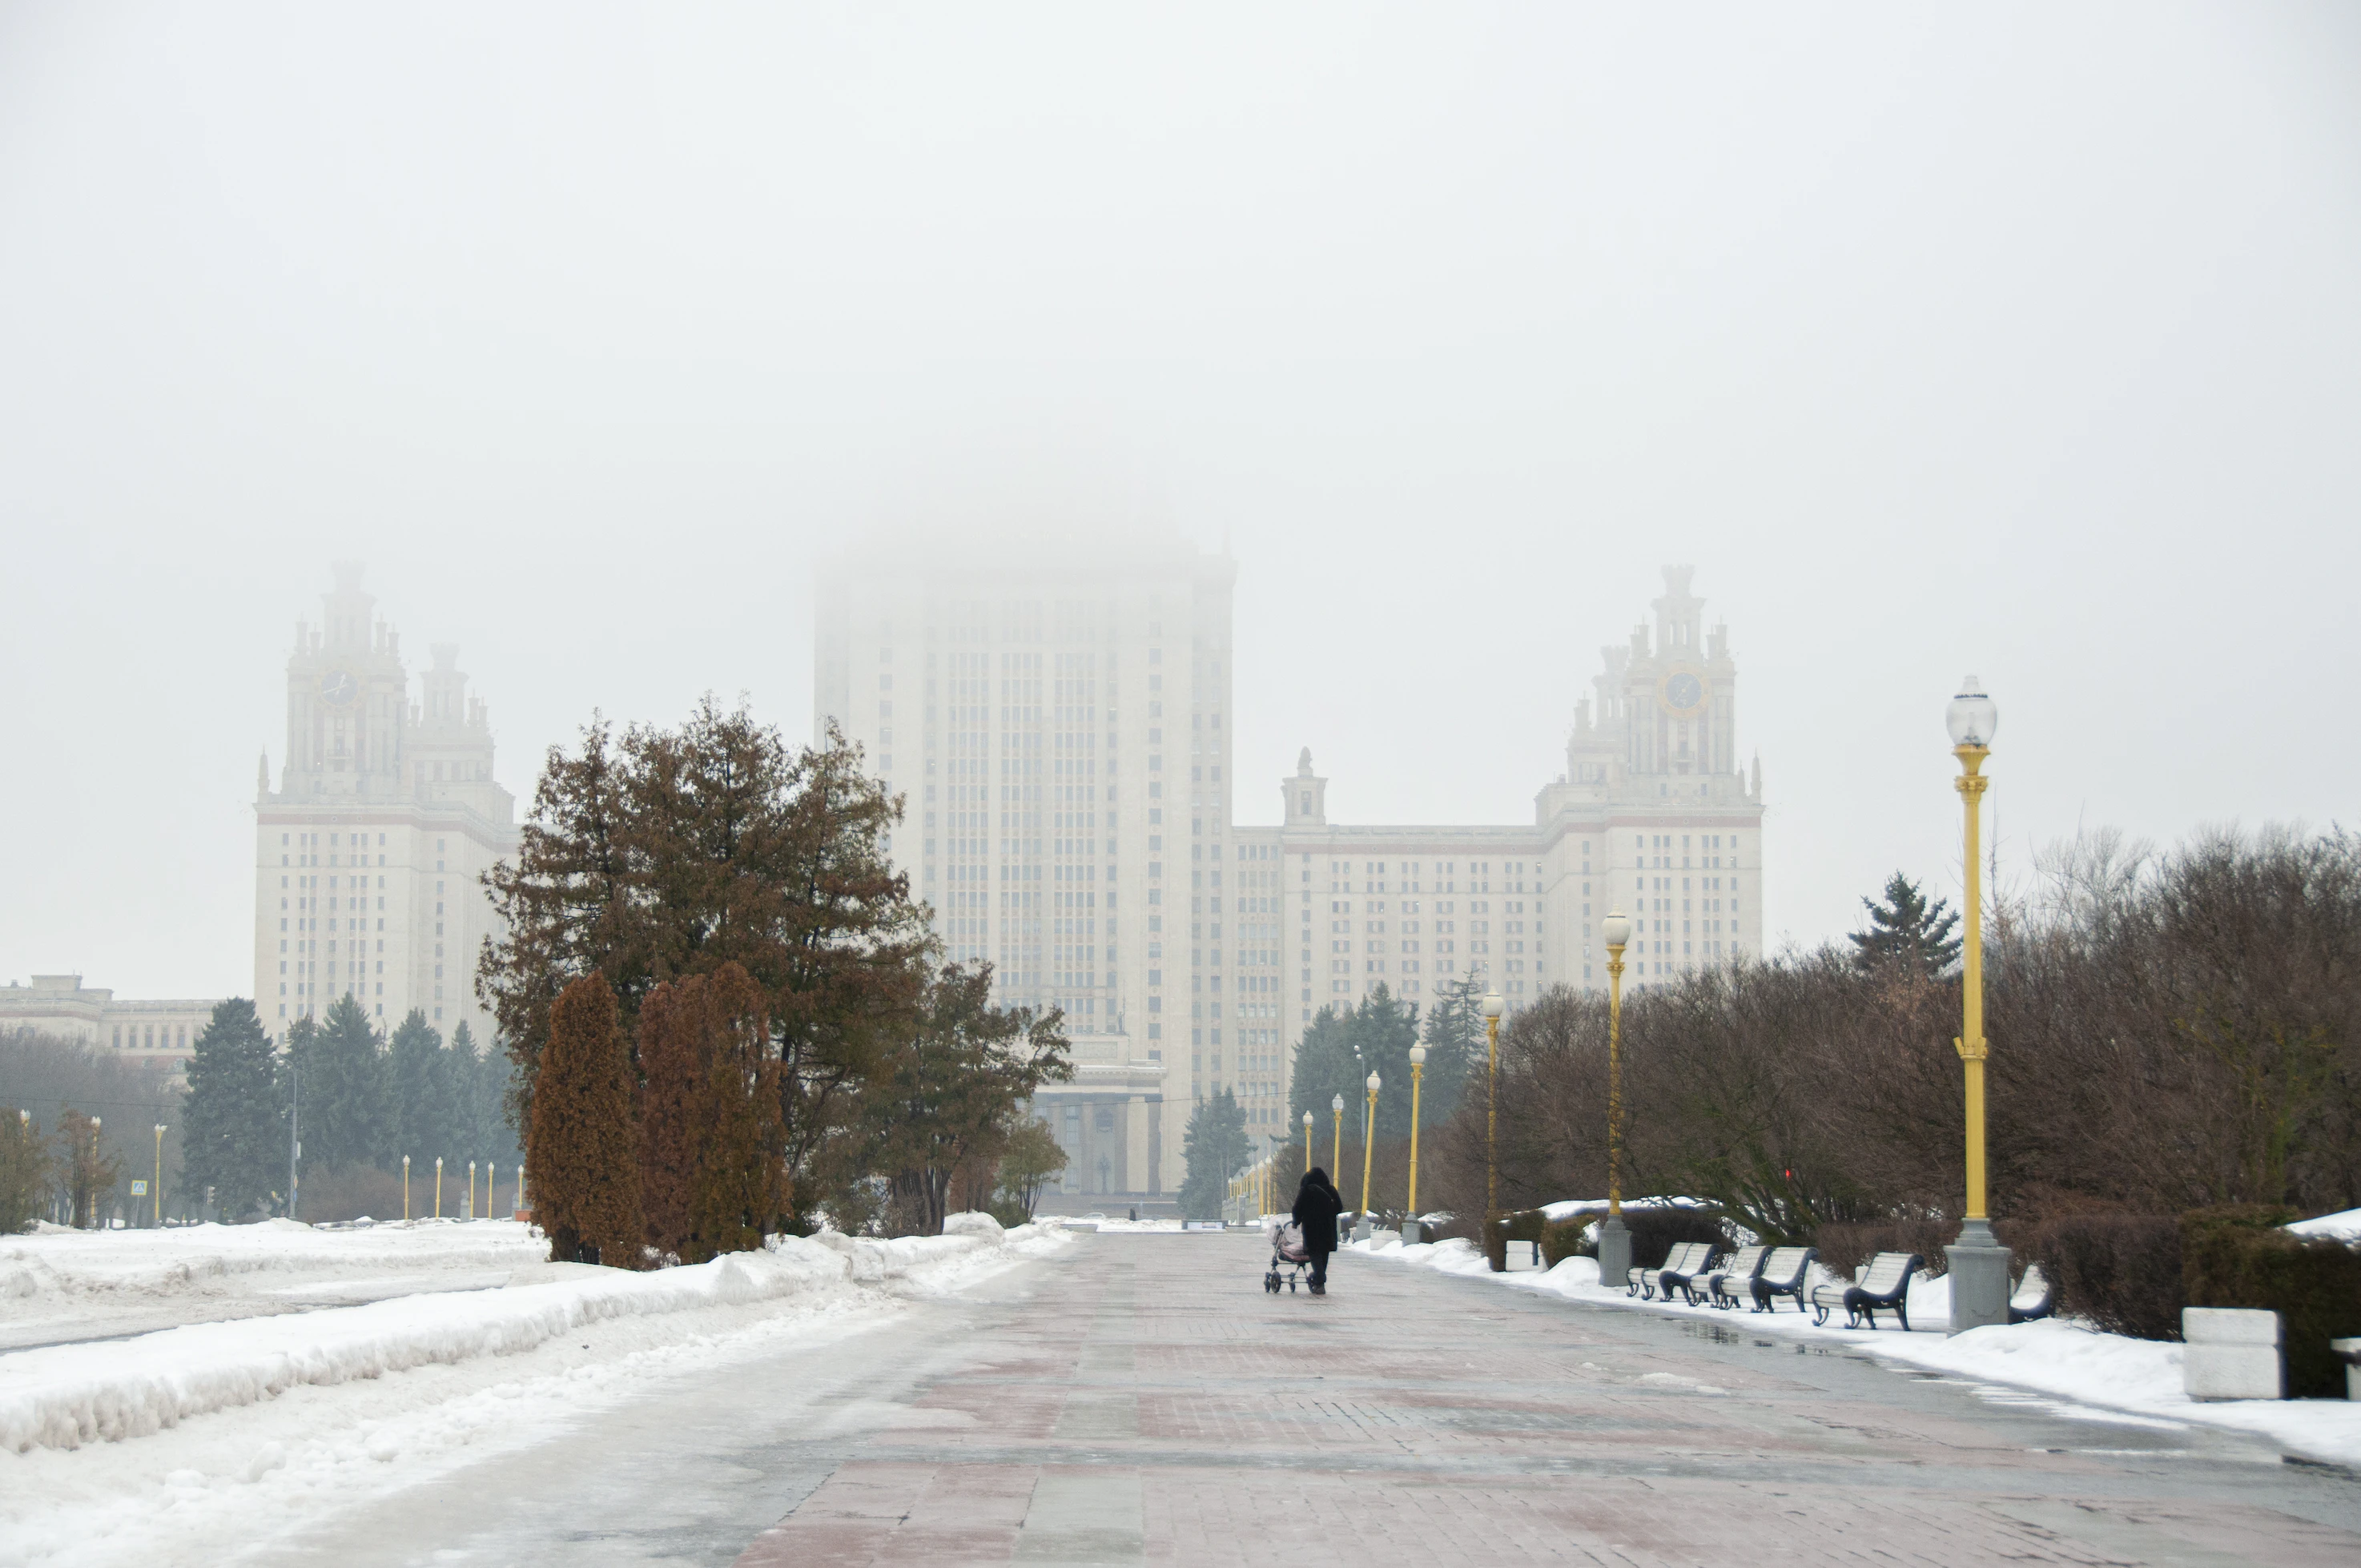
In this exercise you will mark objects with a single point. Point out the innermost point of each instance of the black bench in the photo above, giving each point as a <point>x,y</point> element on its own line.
<point>1721,1283</point>
<point>2035,1297</point>
<point>1884,1284</point>
<point>1784,1273</point>
<point>1685,1260</point>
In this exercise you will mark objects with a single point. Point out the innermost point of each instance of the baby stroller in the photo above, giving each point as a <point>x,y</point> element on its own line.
<point>1287,1258</point>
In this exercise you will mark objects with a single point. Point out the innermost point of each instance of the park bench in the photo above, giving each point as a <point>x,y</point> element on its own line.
<point>1685,1260</point>
<point>1784,1273</point>
<point>1885,1283</point>
<point>2034,1298</point>
<point>1719,1285</point>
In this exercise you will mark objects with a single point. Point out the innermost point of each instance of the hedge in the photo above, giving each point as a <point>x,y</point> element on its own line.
<point>2238,1256</point>
<point>2122,1272</point>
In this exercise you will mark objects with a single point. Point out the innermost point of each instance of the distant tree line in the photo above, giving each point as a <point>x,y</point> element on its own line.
<point>2169,1031</point>
<point>726,1015</point>
<point>77,1128</point>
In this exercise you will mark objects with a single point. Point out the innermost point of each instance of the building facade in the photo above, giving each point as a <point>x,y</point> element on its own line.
<point>160,1035</point>
<point>1057,732</point>
<point>369,857</point>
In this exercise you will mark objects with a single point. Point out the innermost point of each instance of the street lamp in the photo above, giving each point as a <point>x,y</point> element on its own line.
<point>1307,1143</point>
<point>468,1210</point>
<point>1368,1148</point>
<point>1614,1239</point>
<point>405,1186</point>
<point>1979,1263</point>
<point>438,1186</point>
<point>1410,1232</point>
<point>1491,1110</point>
<point>160,1176</point>
<point>1337,1105</point>
<point>93,1166</point>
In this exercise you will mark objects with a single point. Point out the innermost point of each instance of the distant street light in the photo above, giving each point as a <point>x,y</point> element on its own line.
<point>1410,1234</point>
<point>160,1176</point>
<point>1614,1239</point>
<point>1337,1105</point>
<point>1307,1143</point>
<point>1491,1110</point>
<point>1979,1263</point>
<point>1368,1148</point>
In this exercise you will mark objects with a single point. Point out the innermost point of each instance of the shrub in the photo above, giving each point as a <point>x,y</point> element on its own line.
<point>1523,1225</point>
<point>1655,1231</point>
<point>1569,1237</point>
<point>2122,1272</point>
<point>1844,1248</point>
<point>2238,1256</point>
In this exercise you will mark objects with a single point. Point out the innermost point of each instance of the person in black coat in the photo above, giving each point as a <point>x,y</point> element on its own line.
<point>1317,1208</point>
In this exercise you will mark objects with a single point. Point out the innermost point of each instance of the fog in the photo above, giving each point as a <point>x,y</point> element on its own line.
<point>2019,340</point>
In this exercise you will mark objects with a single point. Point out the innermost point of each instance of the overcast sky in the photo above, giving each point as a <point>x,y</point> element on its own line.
<point>2018,340</point>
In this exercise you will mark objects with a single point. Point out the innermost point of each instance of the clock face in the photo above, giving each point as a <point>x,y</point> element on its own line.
<point>339,687</point>
<point>1682,694</point>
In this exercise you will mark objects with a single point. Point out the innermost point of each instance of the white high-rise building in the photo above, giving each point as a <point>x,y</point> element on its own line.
<point>1059,728</point>
<point>369,857</point>
<point>1059,732</point>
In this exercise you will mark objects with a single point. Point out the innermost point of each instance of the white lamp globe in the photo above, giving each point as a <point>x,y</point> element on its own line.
<point>1418,1055</point>
<point>1336,1102</point>
<point>1616,928</point>
<point>1373,1084</point>
<point>1492,1004</point>
<point>1972,716</point>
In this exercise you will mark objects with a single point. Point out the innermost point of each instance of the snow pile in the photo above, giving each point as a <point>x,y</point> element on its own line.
<point>2343,1227</point>
<point>2062,1358</point>
<point>65,1395</point>
<point>60,1263</point>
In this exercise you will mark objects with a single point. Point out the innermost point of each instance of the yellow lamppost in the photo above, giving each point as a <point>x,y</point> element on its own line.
<point>160,1176</point>
<point>438,1186</point>
<point>1491,1109</point>
<point>1979,1263</point>
<point>1337,1105</point>
<point>405,1186</point>
<point>1411,1233</point>
<point>1307,1143</point>
<point>1368,1148</point>
<point>1614,1239</point>
<point>93,1165</point>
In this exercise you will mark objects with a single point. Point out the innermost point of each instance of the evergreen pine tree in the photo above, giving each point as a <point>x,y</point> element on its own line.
<point>675,1065</point>
<point>742,1179</point>
<point>1454,1047</point>
<point>584,1153</point>
<point>233,1125</point>
<point>1906,929</point>
<point>421,1107</point>
<point>345,1102</point>
<point>1216,1148</point>
<point>1383,1032</point>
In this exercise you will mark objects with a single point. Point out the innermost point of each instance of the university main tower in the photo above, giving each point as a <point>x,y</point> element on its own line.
<point>368,858</point>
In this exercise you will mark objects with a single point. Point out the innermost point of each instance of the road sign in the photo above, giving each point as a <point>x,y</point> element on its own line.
<point>140,1189</point>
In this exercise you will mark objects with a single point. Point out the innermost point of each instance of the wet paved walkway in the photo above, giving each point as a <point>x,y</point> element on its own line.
<point>1148,1403</point>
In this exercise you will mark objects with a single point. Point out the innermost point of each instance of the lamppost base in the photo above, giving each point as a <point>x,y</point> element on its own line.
<point>1361,1229</point>
<point>1614,1253</point>
<point>1978,1278</point>
<point>1412,1233</point>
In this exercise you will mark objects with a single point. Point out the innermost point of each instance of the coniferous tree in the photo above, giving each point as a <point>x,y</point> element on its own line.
<point>233,1127</point>
<point>584,1155</point>
<point>345,1102</point>
<point>741,1173</point>
<point>1906,929</point>
<point>481,1099</point>
<point>422,1082</point>
<point>1454,1047</point>
<point>1216,1148</point>
<point>1340,1047</point>
<point>675,1072</point>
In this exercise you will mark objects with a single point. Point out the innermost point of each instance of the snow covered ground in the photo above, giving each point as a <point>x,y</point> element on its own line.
<point>2063,1359</point>
<point>183,1444</point>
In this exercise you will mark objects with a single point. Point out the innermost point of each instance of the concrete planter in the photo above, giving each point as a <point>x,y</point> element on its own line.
<point>2348,1351</point>
<point>2232,1353</point>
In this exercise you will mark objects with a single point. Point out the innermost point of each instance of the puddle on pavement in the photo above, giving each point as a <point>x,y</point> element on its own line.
<point>1714,1333</point>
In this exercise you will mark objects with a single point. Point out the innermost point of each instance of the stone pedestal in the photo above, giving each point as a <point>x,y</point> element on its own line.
<point>1361,1229</point>
<point>1413,1233</point>
<point>1614,1253</point>
<point>2232,1353</point>
<point>1978,1278</point>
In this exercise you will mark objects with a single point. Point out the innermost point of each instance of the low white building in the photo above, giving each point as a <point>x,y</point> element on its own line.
<point>159,1032</point>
